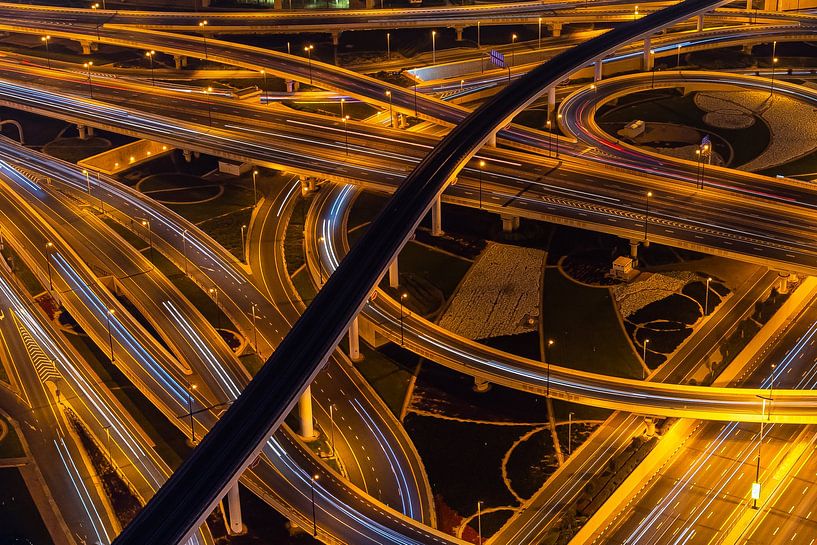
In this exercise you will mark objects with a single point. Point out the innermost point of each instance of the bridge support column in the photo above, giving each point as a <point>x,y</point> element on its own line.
<point>598,70</point>
<point>82,131</point>
<point>180,61</point>
<point>395,120</point>
<point>305,414</point>
<point>402,121</point>
<point>783,282</point>
<point>458,30</point>
<point>437,216</point>
<point>234,502</point>
<point>87,46</point>
<point>335,44</point>
<point>649,58</point>
<point>369,4</point>
<point>649,424</point>
<point>354,340</point>
<point>188,155</point>
<point>491,139</point>
<point>394,274</point>
<point>634,249</point>
<point>700,25</point>
<point>278,4</point>
<point>747,49</point>
<point>292,85</point>
<point>551,101</point>
<point>509,223</point>
<point>749,5</point>
<point>556,30</point>
<point>308,185</point>
<point>481,385</point>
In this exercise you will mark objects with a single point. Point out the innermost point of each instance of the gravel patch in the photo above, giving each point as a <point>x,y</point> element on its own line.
<point>500,295</point>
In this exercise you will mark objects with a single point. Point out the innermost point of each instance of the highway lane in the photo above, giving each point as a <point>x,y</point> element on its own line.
<point>704,489</point>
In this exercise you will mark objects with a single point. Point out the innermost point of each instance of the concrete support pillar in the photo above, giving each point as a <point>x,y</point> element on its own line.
<point>598,70</point>
<point>748,48</point>
<point>394,274</point>
<point>437,216</point>
<point>634,248</point>
<point>180,61</point>
<point>492,139</point>
<point>234,504</point>
<point>459,33</point>
<point>509,223</point>
<point>649,426</point>
<point>369,4</point>
<point>335,44</point>
<point>309,184</point>
<point>87,47</point>
<point>481,385</point>
<point>278,4</point>
<point>556,29</point>
<point>551,101</point>
<point>82,131</point>
<point>305,414</point>
<point>648,56</point>
<point>749,5</point>
<point>395,120</point>
<point>292,85</point>
<point>402,120</point>
<point>783,282</point>
<point>89,131</point>
<point>188,155</point>
<point>700,19</point>
<point>354,341</point>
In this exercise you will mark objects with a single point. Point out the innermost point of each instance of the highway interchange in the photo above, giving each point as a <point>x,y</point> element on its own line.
<point>196,354</point>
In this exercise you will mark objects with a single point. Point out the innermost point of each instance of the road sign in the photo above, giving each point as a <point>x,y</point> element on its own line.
<point>497,58</point>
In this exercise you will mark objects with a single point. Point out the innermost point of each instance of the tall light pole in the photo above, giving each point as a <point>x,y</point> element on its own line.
<point>678,56</point>
<point>108,315</point>
<point>332,427</point>
<point>146,225</point>
<point>150,55</point>
<point>214,294</point>
<point>513,49</point>
<point>774,63</point>
<point>255,187</point>
<point>312,489</point>
<point>594,88</point>
<point>190,388</point>
<point>346,133</point>
<point>391,109</point>
<point>481,167</point>
<point>207,93</point>
<point>266,89</point>
<point>652,63</point>
<point>556,134</point>
<point>635,13</point>
<point>699,182</point>
<point>539,44</point>
<point>48,248</point>
<point>203,24</point>
<point>87,66</point>
<point>569,434</point>
<point>184,251</point>
<point>254,331</point>
<point>403,297</point>
<point>479,25</point>
<point>644,359</point>
<point>244,243</point>
<point>87,180</point>
<point>434,46</point>
<point>706,298</point>
<point>550,148</point>
<point>45,40</point>
<point>548,345</point>
<point>479,522</point>
<point>308,50</point>
<point>388,46</point>
<point>647,214</point>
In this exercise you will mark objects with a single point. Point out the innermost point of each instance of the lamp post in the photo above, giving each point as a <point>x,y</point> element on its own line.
<point>266,89</point>
<point>332,428</point>
<point>644,359</point>
<point>481,167</point>
<point>255,187</point>
<point>346,133</point>
<point>539,43</point>
<point>706,298</point>
<point>403,297</point>
<point>184,250</point>
<point>214,294</point>
<point>647,214</point>
<point>652,64</point>
<point>774,62</point>
<point>513,49</point>
<point>312,489</point>
<point>146,225</point>
<point>254,331</point>
<point>569,434</point>
<point>207,93</point>
<point>479,29</point>
<point>87,180</point>
<point>308,50</point>
<point>190,388</point>
<point>434,46</point>
<point>635,13</point>
<point>48,247</point>
<point>203,24</point>
<point>108,316</point>
<point>388,46</point>
<point>698,176</point>
<point>415,98</point>
<point>550,150</point>
<point>556,133</point>
<point>244,243</point>
<point>45,40</point>
<point>391,109</point>
<point>550,343</point>
<point>678,56</point>
<point>150,55</point>
<point>87,66</point>
<point>479,522</point>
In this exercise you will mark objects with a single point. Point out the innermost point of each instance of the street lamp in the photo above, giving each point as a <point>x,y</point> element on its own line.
<point>312,488</point>
<point>539,44</point>
<point>652,64</point>
<point>48,247</point>
<point>255,187</point>
<point>244,243</point>
<point>556,133</point>
<point>391,109</point>
<point>635,13</point>
<point>774,62</point>
<point>403,297</point>
<point>254,331</point>
<point>481,167</point>
<point>706,298</point>
<point>569,434</point>
<point>203,24</point>
<point>108,316</point>
<point>146,225</point>
<point>644,359</point>
<point>479,522</point>
<point>266,89</point>
<point>45,40</point>
<point>678,56</point>
<point>550,135</point>
<point>346,133</point>
<point>550,343</point>
<point>699,179</point>
<point>207,93</point>
<point>647,214</point>
<point>87,66</point>
<point>388,46</point>
<point>214,294</point>
<point>184,250</point>
<point>479,29</point>
<point>308,50</point>
<point>190,388</point>
<point>434,46</point>
<point>513,49</point>
<point>87,180</point>
<point>332,427</point>
<point>150,55</point>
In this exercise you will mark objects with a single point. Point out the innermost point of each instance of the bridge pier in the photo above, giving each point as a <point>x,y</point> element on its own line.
<point>292,85</point>
<point>634,249</point>
<point>598,70</point>
<point>509,223</point>
<point>335,44</point>
<point>394,117</point>
<point>700,25</point>
<point>649,424</point>
<point>394,274</point>
<point>234,504</point>
<point>188,155</point>
<point>492,139</point>
<point>305,414</point>
<point>354,341</point>
<point>783,282</point>
<point>437,216</point>
<point>82,132</point>
<point>308,185</point>
<point>551,101</point>
<point>481,385</point>
<point>278,4</point>
<point>458,30</point>
<point>87,46</point>
<point>402,121</point>
<point>556,30</point>
<point>180,61</point>
<point>649,58</point>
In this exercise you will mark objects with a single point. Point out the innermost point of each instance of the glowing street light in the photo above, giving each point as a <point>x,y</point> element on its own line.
<point>48,248</point>
<point>150,55</point>
<point>403,297</point>
<point>346,133</point>
<point>391,109</point>
<point>87,66</point>
<point>644,359</point>
<point>266,89</point>
<point>308,49</point>
<point>312,489</point>
<point>203,24</point>
<point>434,46</point>
<point>45,40</point>
<point>647,214</point>
<point>548,345</point>
<point>513,49</point>
<point>706,298</point>
<point>388,46</point>
<point>108,316</point>
<point>481,167</point>
<point>255,187</point>
<point>146,225</point>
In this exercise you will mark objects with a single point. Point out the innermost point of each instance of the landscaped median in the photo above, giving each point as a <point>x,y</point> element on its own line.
<point>681,430</point>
